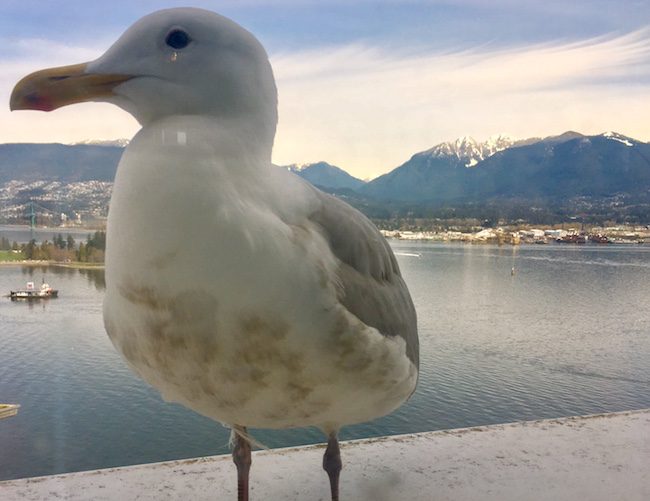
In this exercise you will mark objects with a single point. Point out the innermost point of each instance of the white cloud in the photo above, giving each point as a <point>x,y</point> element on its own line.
<point>367,109</point>
<point>47,50</point>
<point>89,120</point>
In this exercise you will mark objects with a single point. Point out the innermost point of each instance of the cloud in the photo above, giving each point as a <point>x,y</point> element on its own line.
<point>22,56</point>
<point>369,108</point>
<point>88,120</point>
<point>44,49</point>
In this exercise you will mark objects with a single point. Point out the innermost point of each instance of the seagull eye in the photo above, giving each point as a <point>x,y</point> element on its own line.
<point>178,39</point>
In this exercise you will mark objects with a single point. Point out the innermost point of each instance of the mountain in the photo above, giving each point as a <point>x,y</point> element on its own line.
<point>469,151</point>
<point>58,162</point>
<point>564,175</point>
<point>567,165</point>
<point>97,161</point>
<point>437,172</point>
<point>570,165</point>
<point>78,178</point>
<point>326,176</point>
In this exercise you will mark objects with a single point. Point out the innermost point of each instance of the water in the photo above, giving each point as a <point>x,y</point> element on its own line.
<point>568,334</point>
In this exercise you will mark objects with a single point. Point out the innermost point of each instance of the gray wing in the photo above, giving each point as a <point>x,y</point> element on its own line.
<point>372,285</point>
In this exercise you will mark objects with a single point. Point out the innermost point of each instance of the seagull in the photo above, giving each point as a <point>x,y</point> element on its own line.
<point>233,286</point>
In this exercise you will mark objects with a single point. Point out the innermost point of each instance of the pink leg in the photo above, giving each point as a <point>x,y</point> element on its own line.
<point>332,464</point>
<point>241,455</point>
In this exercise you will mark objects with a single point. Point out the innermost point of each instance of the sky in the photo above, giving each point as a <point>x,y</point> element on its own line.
<point>366,84</point>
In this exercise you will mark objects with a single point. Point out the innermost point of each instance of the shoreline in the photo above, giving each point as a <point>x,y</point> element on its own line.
<point>390,238</point>
<point>72,265</point>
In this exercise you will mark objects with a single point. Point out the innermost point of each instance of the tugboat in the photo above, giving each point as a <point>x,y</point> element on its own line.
<point>31,292</point>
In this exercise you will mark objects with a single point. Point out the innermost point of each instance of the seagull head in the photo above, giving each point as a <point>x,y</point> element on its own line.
<point>182,61</point>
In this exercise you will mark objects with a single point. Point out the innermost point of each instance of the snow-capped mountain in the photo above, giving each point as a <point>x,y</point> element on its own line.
<point>469,150</point>
<point>615,136</point>
<point>568,165</point>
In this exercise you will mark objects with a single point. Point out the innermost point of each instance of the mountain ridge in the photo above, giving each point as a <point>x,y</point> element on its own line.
<point>603,169</point>
<point>533,167</point>
<point>326,175</point>
<point>468,149</point>
<point>58,162</point>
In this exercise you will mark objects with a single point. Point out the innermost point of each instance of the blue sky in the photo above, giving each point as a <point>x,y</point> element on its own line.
<point>365,84</point>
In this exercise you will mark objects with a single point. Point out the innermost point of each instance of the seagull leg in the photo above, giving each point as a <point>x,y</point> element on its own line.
<point>241,455</point>
<point>332,464</point>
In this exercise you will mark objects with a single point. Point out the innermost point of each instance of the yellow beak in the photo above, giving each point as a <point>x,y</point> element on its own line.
<point>49,89</point>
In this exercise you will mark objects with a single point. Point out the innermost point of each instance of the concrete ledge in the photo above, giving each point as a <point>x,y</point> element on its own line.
<point>600,457</point>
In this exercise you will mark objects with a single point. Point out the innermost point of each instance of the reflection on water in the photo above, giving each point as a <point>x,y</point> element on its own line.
<point>94,275</point>
<point>566,334</point>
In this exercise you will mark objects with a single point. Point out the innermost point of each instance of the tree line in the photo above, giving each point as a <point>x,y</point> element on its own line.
<point>62,249</point>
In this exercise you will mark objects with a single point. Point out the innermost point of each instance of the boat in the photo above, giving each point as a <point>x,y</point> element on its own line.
<point>572,238</point>
<point>599,238</point>
<point>8,410</point>
<point>31,292</point>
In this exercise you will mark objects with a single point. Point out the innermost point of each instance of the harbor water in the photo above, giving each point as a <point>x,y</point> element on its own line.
<point>566,333</point>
